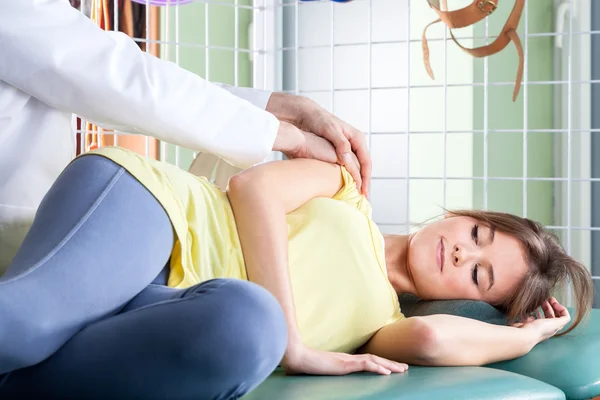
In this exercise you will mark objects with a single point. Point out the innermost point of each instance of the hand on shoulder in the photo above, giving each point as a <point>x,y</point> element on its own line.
<point>321,135</point>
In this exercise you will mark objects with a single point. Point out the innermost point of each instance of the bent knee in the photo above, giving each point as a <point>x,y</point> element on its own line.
<point>251,298</point>
<point>248,330</point>
<point>255,314</point>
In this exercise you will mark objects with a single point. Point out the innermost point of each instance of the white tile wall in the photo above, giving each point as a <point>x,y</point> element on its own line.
<point>394,111</point>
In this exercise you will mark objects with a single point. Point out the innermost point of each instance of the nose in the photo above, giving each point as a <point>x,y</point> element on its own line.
<point>455,255</point>
<point>460,254</point>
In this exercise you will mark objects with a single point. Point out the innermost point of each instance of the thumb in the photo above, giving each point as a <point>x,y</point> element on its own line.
<point>342,147</point>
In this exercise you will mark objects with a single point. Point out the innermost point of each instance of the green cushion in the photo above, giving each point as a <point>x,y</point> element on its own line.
<point>418,383</point>
<point>412,306</point>
<point>571,363</point>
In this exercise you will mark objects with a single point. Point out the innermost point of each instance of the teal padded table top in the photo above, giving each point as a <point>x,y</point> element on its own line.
<point>418,383</point>
<point>571,363</point>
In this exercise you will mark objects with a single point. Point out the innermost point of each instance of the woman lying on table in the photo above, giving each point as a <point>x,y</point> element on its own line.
<point>85,297</point>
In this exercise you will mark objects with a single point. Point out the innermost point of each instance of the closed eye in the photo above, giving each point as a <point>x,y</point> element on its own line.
<point>474,275</point>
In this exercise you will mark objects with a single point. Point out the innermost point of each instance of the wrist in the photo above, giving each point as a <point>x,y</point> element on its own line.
<point>289,107</point>
<point>289,139</point>
<point>531,337</point>
<point>293,354</point>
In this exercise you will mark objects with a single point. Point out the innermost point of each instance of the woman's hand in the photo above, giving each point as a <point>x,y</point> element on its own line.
<point>555,317</point>
<point>316,362</point>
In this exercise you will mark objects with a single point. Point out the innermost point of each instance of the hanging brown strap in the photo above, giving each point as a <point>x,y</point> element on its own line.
<point>467,16</point>
<point>443,7</point>
<point>475,12</point>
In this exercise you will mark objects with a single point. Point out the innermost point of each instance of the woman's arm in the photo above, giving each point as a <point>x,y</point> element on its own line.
<point>260,198</point>
<point>447,340</point>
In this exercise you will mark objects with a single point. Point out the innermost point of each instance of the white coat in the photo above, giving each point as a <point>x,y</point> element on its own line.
<point>55,62</point>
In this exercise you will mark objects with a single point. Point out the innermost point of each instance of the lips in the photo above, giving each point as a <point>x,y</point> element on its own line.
<point>440,256</point>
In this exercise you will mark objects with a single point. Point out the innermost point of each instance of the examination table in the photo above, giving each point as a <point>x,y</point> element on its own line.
<point>560,368</point>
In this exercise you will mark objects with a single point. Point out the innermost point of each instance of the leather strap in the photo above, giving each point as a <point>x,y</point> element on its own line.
<point>485,8</point>
<point>467,16</point>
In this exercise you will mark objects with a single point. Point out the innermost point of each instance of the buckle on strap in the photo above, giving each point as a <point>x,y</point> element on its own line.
<point>487,6</point>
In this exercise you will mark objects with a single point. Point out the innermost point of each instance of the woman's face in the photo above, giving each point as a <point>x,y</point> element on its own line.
<point>460,258</point>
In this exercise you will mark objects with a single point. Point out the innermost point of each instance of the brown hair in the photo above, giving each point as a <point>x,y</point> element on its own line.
<point>549,265</point>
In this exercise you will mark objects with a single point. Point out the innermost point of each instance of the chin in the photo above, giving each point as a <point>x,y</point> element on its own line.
<point>422,254</point>
<point>425,271</point>
<point>424,284</point>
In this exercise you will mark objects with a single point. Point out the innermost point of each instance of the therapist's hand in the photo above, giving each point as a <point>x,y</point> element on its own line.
<point>310,117</point>
<point>295,143</point>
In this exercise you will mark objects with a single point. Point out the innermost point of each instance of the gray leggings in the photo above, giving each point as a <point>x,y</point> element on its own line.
<point>80,316</point>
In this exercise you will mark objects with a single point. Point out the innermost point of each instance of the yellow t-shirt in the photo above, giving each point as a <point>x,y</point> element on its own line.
<point>336,252</point>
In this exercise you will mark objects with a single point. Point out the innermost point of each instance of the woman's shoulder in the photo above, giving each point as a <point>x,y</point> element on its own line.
<point>349,194</point>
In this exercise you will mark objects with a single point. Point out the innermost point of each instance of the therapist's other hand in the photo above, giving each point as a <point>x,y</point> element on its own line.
<point>310,117</point>
<point>295,143</point>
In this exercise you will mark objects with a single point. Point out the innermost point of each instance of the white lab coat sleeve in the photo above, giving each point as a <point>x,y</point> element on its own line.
<point>258,97</point>
<point>56,54</point>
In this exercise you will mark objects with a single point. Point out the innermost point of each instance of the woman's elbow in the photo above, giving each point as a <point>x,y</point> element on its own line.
<point>237,181</point>
<point>242,182</point>
<point>427,341</point>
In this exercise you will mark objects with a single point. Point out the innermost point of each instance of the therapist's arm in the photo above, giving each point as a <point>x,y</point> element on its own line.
<point>57,55</point>
<point>258,97</point>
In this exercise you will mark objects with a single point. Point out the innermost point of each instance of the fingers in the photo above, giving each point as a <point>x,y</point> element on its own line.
<point>548,310</point>
<point>359,146</point>
<point>371,363</point>
<point>557,316</point>
<point>335,134</point>
<point>346,140</point>
<point>343,148</point>
<point>389,364</point>
<point>370,366</point>
<point>558,308</point>
<point>353,169</point>
<point>364,158</point>
<point>356,165</point>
